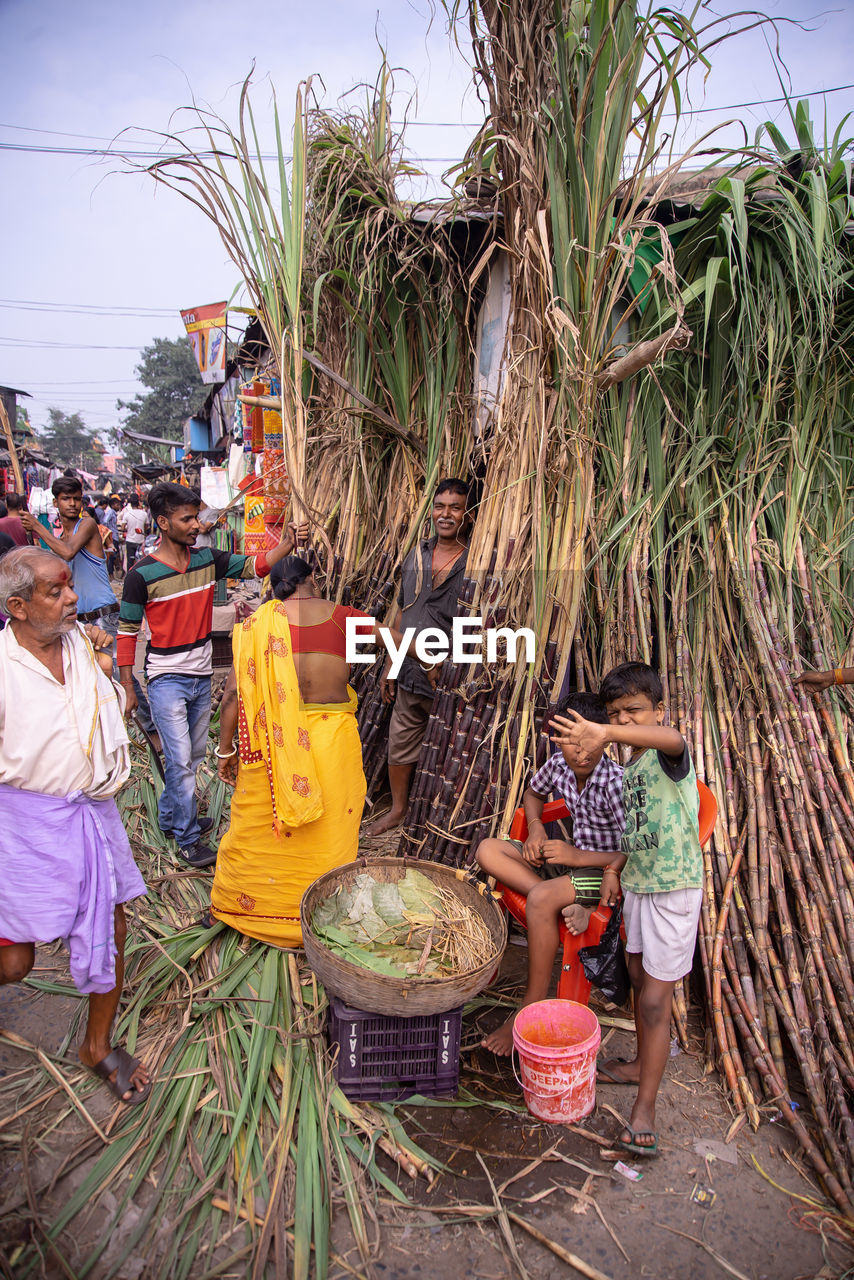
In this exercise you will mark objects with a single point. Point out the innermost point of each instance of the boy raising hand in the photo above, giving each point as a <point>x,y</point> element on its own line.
<point>661,868</point>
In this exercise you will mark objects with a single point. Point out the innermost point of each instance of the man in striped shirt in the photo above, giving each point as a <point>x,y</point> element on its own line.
<point>174,589</point>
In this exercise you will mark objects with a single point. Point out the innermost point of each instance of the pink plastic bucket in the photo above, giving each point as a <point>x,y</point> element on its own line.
<point>557,1042</point>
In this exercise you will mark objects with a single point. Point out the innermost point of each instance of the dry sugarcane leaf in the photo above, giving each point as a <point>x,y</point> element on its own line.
<point>388,903</point>
<point>329,912</point>
<point>419,894</point>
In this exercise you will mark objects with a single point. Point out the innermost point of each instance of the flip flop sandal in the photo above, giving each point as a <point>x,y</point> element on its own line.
<point>606,1076</point>
<point>120,1061</point>
<point>636,1148</point>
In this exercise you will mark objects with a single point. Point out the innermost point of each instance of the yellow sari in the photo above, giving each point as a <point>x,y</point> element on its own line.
<point>300,789</point>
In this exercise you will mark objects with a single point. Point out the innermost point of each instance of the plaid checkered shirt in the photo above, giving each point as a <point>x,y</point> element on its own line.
<point>597,811</point>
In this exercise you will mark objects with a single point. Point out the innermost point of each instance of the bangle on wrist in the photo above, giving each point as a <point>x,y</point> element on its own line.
<point>613,871</point>
<point>225,755</point>
<point>837,676</point>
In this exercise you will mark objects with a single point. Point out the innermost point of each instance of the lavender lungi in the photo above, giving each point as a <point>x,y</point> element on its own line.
<point>65,864</point>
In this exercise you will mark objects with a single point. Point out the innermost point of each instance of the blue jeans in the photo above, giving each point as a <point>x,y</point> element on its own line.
<point>181,707</point>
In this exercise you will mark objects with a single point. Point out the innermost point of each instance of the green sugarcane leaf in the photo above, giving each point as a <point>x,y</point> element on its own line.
<point>304,1200</point>
<point>363,1154</point>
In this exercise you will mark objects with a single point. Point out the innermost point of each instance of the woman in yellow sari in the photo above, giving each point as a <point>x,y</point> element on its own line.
<point>299,787</point>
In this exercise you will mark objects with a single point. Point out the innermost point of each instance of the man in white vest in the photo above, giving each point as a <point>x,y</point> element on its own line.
<point>65,862</point>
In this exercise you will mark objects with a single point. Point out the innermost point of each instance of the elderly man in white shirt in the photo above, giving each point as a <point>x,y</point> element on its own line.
<point>65,861</point>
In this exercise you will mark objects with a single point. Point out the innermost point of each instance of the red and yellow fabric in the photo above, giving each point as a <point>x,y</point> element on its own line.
<point>277,488</point>
<point>300,789</point>
<point>257,416</point>
<point>254,529</point>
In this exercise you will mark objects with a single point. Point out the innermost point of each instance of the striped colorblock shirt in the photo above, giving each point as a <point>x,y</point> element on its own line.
<point>178,607</point>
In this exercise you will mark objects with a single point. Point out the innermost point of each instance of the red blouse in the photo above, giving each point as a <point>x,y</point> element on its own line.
<point>325,637</point>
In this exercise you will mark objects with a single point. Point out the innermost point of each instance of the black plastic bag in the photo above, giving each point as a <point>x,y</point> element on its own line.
<point>604,965</point>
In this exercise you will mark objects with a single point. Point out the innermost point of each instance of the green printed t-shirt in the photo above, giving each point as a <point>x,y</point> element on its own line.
<point>661,838</point>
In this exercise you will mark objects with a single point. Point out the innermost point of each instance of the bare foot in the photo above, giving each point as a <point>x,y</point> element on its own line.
<point>577,918</point>
<point>500,1041</point>
<point>618,1071</point>
<point>139,1077</point>
<point>387,822</point>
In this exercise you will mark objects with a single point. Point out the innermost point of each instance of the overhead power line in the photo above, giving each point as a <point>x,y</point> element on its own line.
<point>162,155</point>
<point>103,151</point>
<point>67,346</point>
<point>764,102</point>
<point>103,397</point>
<point>85,308</point>
<point>88,382</point>
<point>111,150</point>
<point>100,137</point>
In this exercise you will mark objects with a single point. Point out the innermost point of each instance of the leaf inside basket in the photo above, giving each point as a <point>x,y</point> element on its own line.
<point>410,928</point>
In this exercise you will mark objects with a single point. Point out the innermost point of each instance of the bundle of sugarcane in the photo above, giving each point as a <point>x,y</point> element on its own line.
<point>371,364</point>
<point>735,575</point>
<point>776,938</point>
<point>573,217</point>
<point>722,574</point>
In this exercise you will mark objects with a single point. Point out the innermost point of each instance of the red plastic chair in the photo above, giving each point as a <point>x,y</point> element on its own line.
<point>572,984</point>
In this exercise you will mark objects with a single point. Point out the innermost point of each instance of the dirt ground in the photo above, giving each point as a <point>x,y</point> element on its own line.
<point>566,1191</point>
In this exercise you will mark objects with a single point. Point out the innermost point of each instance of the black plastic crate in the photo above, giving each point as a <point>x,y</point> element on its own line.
<point>221,653</point>
<point>384,1059</point>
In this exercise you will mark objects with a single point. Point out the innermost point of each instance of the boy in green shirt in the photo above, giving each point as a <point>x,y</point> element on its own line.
<point>661,869</point>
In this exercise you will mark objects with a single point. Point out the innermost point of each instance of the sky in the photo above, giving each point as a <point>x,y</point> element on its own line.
<point>97,262</point>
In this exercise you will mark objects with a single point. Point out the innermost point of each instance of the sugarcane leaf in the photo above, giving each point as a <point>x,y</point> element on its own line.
<point>304,1199</point>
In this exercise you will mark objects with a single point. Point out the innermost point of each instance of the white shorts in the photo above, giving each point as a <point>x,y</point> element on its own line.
<point>662,928</point>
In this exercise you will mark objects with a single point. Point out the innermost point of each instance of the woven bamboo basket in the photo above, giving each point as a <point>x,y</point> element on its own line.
<point>400,997</point>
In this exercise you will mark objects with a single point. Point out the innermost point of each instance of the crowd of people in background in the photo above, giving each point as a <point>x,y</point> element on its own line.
<point>121,518</point>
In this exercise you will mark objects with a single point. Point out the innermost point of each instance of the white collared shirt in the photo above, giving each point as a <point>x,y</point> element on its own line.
<point>43,723</point>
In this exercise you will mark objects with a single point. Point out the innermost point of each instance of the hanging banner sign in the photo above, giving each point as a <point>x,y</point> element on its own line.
<point>206,330</point>
<point>254,529</point>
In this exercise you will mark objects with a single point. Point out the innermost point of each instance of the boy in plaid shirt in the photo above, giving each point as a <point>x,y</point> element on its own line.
<point>557,874</point>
